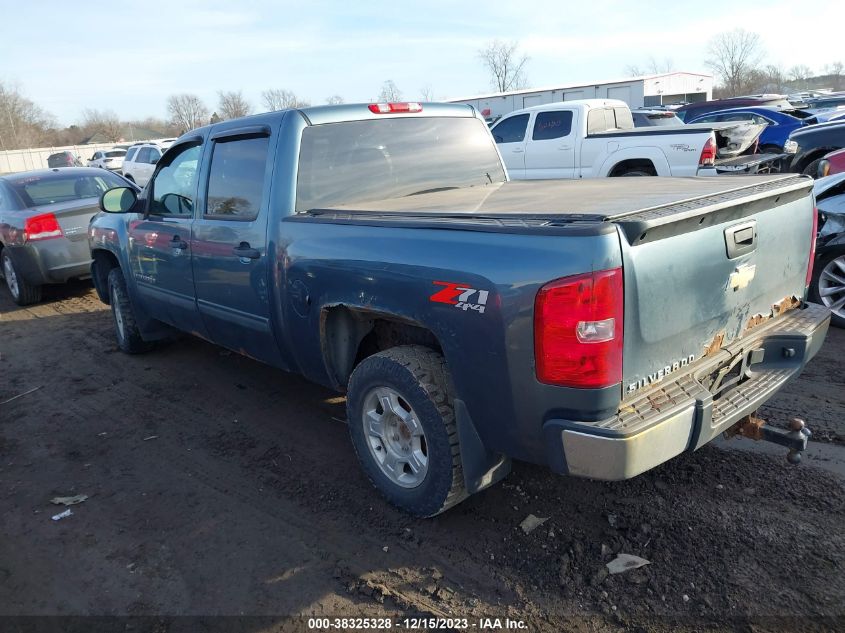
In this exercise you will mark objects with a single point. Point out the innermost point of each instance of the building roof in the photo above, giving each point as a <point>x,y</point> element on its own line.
<point>577,85</point>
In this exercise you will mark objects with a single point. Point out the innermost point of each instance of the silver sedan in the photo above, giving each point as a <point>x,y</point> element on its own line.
<point>44,219</point>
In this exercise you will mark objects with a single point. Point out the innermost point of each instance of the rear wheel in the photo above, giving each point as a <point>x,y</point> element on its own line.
<point>23,293</point>
<point>828,286</point>
<point>636,172</point>
<point>128,335</point>
<point>402,424</point>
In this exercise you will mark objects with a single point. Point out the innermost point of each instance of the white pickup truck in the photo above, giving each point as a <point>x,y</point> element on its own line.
<point>594,138</point>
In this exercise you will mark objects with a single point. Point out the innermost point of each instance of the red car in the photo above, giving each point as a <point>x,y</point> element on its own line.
<point>833,163</point>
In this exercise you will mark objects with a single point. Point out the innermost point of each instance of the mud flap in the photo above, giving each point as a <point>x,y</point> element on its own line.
<point>481,467</point>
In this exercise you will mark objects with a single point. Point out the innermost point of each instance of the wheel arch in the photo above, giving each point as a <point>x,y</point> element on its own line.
<point>633,164</point>
<point>349,334</point>
<point>103,261</point>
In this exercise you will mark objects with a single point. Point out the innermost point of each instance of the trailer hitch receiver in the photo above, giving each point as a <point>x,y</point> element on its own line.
<point>755,428</point>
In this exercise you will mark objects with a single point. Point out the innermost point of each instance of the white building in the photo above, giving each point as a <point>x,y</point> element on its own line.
<point>637,92</point>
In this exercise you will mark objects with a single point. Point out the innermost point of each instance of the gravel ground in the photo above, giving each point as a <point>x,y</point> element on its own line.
<point>219,486</point>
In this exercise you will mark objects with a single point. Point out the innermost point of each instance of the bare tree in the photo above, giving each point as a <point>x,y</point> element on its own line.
<point>733,56</point>
<point>281,99</point>
<point>22,122</point>
<point>104,122</point>
<point>334,100</point>
<point>799,73</point>
<point>232,105</point>
<point>186,111</point>
<point>505,65</point>
<point>389,92</point>
<point>427,93</point>
<point>651,67</point>
<point>834,70</point>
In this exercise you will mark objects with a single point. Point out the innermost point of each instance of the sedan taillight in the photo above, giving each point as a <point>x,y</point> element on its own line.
<point>41,227</point>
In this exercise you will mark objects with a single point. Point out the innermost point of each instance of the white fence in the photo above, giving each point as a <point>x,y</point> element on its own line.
<point>14,160</point>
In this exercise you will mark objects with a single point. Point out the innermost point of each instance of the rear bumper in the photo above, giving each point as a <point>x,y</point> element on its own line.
<point>51,261</point>
<point>682,415</point>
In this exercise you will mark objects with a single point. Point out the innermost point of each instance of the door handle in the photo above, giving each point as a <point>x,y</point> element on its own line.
<point>565,147</point>
<point>517,150</point>
<point>178,242</point>
<point>245,251</point>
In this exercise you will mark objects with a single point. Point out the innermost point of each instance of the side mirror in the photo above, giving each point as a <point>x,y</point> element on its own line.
<point>154,161</point>
<point>118,200</point>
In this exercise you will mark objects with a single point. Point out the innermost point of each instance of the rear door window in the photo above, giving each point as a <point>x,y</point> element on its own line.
<point>511,130</point>
<point>236,178</point>
<point>551,125</point>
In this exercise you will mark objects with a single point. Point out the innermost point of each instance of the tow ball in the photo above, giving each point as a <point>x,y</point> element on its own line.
<point>755,428</point>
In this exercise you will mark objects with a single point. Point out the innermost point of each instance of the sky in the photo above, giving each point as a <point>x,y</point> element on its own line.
<point>128,57</point>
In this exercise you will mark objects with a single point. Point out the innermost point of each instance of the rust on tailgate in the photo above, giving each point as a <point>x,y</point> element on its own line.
<point>781,307</point>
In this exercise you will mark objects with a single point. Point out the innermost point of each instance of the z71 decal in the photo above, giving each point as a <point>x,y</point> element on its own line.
<point>459,295</point>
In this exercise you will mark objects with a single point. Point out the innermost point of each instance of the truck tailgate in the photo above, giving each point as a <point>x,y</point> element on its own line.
<point>703,272</point>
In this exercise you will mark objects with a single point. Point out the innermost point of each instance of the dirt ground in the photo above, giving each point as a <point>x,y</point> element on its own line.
<point>219,486</point>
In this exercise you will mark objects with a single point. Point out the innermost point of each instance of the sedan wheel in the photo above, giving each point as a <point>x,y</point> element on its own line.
<point>831,286</point>
<point>23,293</point>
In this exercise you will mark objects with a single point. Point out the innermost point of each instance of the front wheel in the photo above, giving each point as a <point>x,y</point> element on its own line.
<point>23,293</point>
<point>126,329</point>
<point>828,285</point>
<point>812,169</point>
<point>402,424</point>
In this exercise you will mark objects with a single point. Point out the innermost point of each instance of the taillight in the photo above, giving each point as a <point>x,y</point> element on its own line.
<point>812,247</point>
<point>41,227</point>
<point>708,153</point>
<point>389,108</point>
<point>578,330</point>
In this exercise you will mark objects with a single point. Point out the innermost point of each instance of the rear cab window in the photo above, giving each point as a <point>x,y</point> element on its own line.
<point>362,161</point>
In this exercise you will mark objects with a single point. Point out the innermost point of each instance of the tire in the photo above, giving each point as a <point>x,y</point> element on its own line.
<point>126,330</point>
<point>635,172</point>
<point>828,262</point>
<point>23,293</point>
<point>812,169</point>
<point>419,378</point>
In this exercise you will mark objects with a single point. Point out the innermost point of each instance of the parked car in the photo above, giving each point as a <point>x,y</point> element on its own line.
<point>63,159</point>
<point>43,226</point>
<point>140,161</point>
<point>779,124</point>
<point>692,110</point>
<point>809,145</point>
<point>828,285</point>
<point>379,249</point>
<point>595,138</point>
<point>833,163</point>
<point>108,159</point>
<point>655,118</point>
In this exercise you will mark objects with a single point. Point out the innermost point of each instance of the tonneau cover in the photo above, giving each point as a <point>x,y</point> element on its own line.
<point>606,198</point>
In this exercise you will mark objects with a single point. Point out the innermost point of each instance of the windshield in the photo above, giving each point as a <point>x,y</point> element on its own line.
<point>37,191</point>
<point>362,161</point>
<point>116,153</point>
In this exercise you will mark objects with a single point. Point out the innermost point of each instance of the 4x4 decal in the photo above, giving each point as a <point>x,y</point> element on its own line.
<point>459,295</point>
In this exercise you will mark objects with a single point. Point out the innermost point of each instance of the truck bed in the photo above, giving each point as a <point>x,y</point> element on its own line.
<point>638,205</point>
